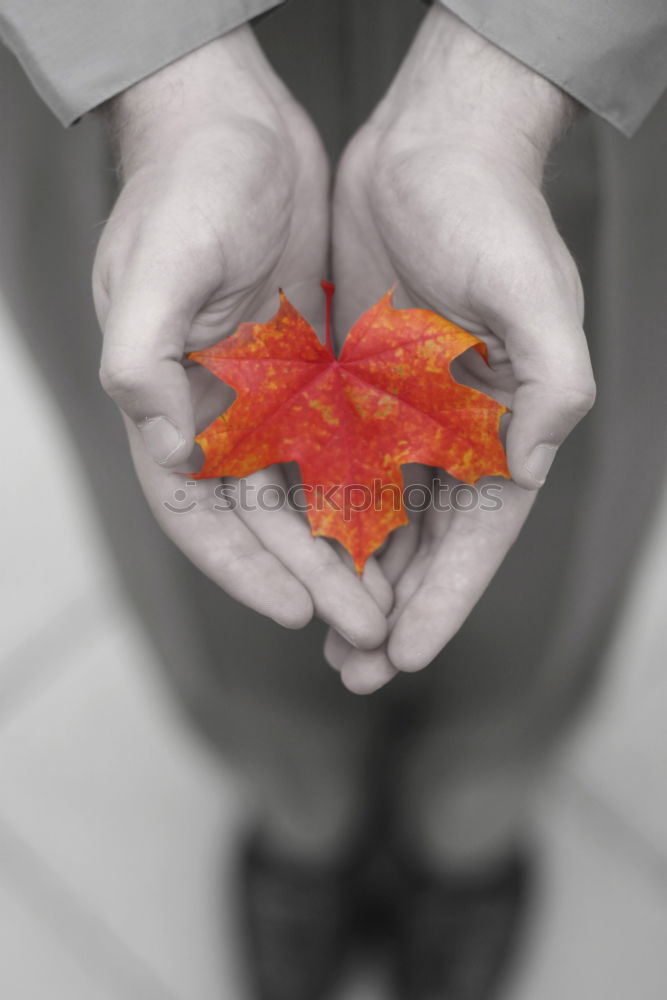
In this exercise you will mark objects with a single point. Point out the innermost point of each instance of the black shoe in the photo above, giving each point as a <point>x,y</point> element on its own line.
<point>457,935</point>
<point>299,920</point>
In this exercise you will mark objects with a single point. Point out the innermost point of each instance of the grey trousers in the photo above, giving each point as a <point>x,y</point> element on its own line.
<point>514,677</point>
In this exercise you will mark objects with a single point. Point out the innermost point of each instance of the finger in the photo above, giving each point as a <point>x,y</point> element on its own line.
<point>373,579</point>
<point>336,649</point>
<point>378,586</point>
<point>367,672</point>
<point>400,550</point>
<point>215,539</point>
<point>364,672</point>
<point>549,355</point>
<point>404,541</point>
<point>471,551</point>
<point>411,580</point>
<point>543,414</point>
<point>145,328</point>
<point>339,596</point>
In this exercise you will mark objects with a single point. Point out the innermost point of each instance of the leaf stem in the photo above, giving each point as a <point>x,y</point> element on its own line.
<point>329,290</point>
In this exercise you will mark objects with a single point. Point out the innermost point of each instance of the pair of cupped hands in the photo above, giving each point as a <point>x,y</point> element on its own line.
<point>226,197</point>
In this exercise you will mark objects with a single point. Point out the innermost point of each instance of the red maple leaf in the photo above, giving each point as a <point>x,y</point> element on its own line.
<point>351,422</point>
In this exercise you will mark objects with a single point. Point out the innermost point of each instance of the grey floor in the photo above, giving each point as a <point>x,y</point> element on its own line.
<point>116,829</point>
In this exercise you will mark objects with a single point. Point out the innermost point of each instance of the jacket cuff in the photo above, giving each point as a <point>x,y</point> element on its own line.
<point>79,53</point>
<point>610,56</point>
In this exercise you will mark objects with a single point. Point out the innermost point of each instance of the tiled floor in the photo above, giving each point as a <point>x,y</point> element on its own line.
<point>116,829</point>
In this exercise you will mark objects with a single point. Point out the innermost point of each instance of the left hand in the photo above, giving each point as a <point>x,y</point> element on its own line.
<point>439,194</point>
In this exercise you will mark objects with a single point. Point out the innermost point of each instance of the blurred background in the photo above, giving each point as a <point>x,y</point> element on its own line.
<point>117,831</point>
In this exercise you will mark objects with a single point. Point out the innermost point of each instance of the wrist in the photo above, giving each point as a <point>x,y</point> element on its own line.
<point>456,84</point>
<point>225,81</point>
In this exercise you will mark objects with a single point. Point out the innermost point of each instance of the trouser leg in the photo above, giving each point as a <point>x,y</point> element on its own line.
<point>520,671</point>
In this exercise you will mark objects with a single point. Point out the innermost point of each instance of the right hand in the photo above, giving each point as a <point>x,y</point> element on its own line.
<point>223,201</point>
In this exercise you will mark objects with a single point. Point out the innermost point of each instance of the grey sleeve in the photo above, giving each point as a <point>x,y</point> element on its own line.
<point>611,55</point>
<point>78,53</point>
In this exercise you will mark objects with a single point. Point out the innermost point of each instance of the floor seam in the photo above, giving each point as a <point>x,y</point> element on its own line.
<point>41,658</point>
<point>88,939</point>
<point>605,815</point>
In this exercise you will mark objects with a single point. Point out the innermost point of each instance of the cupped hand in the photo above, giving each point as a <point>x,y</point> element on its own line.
<point>440,195</point>
<point>224,199</point>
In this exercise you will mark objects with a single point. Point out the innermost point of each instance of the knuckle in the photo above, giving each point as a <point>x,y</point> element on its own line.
<point>121,380</point>
<point>577,400</point>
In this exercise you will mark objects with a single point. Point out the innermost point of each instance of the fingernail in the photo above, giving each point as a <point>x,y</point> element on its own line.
<point>540,460</point>
<point>161,438</point>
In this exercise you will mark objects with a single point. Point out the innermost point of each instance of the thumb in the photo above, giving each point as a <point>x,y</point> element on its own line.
<point>556,389</point>
<point>145,332</point>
